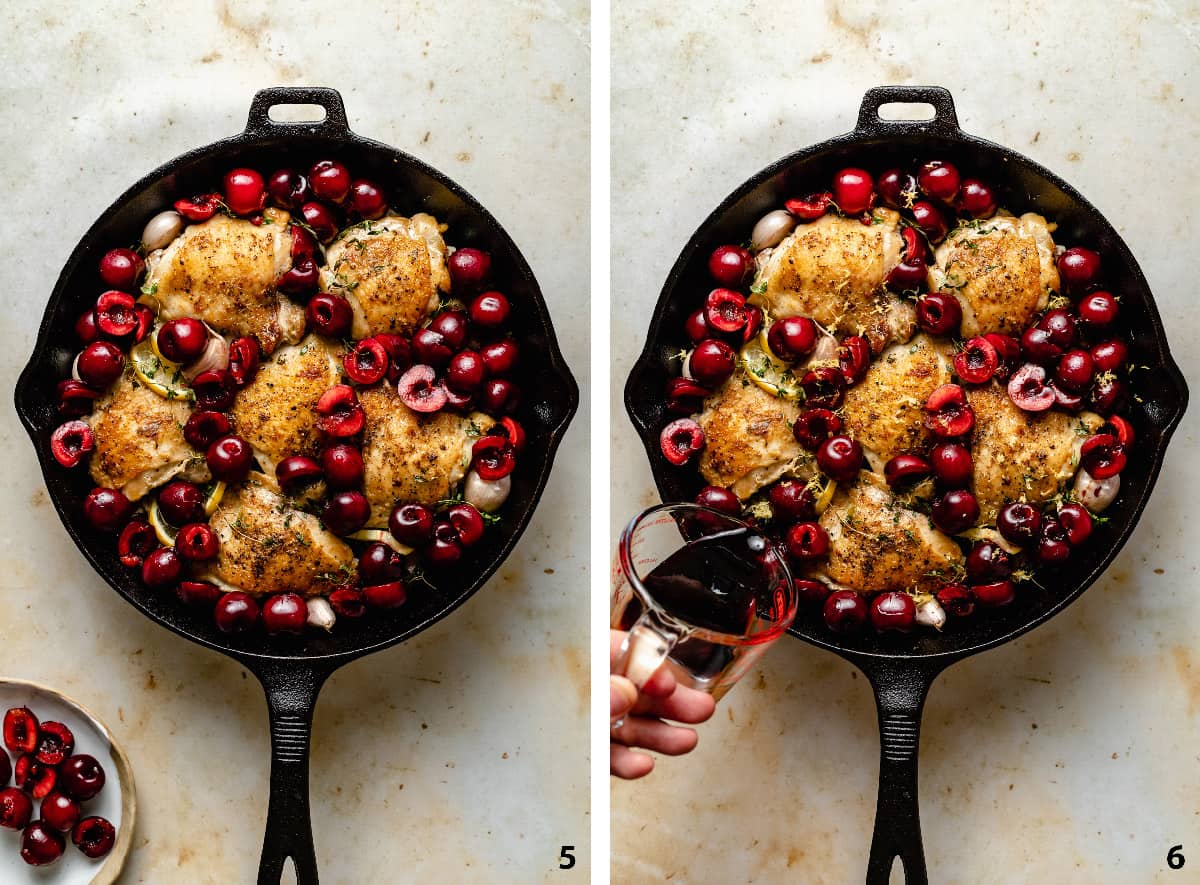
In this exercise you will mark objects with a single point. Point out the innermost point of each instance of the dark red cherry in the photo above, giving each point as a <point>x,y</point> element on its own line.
<point>681,440</point>
<point>956,600</point>
<point>490,310</point>
<point>162,569</point>
<point>952,464</point>
<point>930,220</point>
<point>792,499</point>
<point>1019,522</point>
<point>236,612</point>
<point>203,428</point>
<point>379,564</point>
<point>893,611</point>
<point>720,499</point>
<point>1098,310</point>
<point>346,512</point>
<point>120,268</point>
<point>60,811</point>
<point>897,188</point>
<point>731,266</point>
<point>806,541</point>
<point>342,465</point>
<point>367,200</point>
<point>845,611</point>
<point>411,524</point>
<point>955,511</point>
<point>181,502</point>
<point>814,426</point>
<point>41,844</point>
<point>977,199</point>
<point>939,313</point>
<point>329,180</point>
<point>1076,522</point>
<point>810,207</point>
<point>712,362</point>
<point>329,315</point>
<point>1109,356</point>
<point>939,180</point>
<point>792,338</point>
<point>995,594</point>
<point>988,562</point>
<point>284,613</point>
<point>853,190</point>
<point>296,472</point>
<point>905,469</point>
<point>321,221</point>
<point>100,364</point>
<point>245,191</point>
<point>82,777</point>
<point>230,458</point>
<point>840,458</point>
<point>1078,267</point>
<point>287,188</point>
<point>469,269</point>
<point>15,808</point>
<point>107,509</point>
<point>94,836</point>
<point>1075,370</point>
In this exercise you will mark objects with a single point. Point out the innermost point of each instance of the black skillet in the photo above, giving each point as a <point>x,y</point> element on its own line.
<point>292,670</point>
<point>901,670</point>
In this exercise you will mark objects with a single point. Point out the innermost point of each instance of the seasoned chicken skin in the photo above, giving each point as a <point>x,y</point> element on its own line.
<point>748,438</point>
<point>267,546</point>
<point>1021,455</point>
<point>276,412</point>
<point>139,439</point>
<point>833,271</point>
<point>876,544</point>
<point>390,271</point>
<point>223,271</point>
<point>884,411</point>
<point>1001,271</point>
<point>409,457</point>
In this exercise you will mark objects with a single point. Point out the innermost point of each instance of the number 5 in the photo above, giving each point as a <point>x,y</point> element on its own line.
<point>566,859</point>
<point>1175,858</point>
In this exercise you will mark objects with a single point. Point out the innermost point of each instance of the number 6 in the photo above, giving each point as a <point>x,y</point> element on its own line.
<point>1175,858</point>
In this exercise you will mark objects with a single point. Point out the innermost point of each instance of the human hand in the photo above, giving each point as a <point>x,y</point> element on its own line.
<point>661,698</point>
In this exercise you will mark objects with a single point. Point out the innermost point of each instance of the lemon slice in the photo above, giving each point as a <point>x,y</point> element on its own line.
<point>771,374</point>
<point>163,530</point>
<point>213,501</point>
<point>163,378</point>
<point>826,495</point>
<point>383,537</point>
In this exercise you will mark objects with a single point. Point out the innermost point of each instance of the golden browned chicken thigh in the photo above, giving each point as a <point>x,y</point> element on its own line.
<point>748,438</point>
<point>876,544</point>
<point>409,457</point>
<point>833,271</point>
<point>267,546</point>
<point>139,439</point>
<point>223,271</point>
<point>1001,270</point>
<point>276,412</point>
<point>1022,455</point>
<point>884,411</point>
<point>391,272</point>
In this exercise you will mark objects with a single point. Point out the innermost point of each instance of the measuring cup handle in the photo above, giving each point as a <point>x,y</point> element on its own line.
<point>650,640</point>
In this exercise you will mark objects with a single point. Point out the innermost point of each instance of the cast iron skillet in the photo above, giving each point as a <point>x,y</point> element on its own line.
<point>901,669</point>
<point>292,669</point>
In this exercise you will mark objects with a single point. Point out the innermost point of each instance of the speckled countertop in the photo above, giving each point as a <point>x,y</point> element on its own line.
<point>1069,755</point>
<point>461,755</point>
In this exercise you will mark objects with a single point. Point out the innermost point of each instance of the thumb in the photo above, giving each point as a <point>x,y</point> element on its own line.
<point>621,696</point>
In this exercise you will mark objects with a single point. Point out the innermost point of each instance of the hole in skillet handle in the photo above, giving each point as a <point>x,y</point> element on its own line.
<point>309,99</point>
<point>943,120</point>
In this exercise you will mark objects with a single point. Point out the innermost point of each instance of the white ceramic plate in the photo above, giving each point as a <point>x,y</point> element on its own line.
<point>115,802</point>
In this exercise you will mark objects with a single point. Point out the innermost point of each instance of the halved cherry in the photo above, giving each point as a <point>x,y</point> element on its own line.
<point>907,276</point>
<point>1068,399</point>
<point>462,401</point>
<point>35,778</point>
<point>930,220</point>
<point>468,522</point>
<point>976,363</point>
<point>906,468</point>
<point>244,358</point>
<point>214,390</point>
<point>814,426</point>
<point>1102,456</point>
<point>512,429</point>
<point>939,313</point>
<point>725,310</point>
<point>297,471</point>
<point>685,396</point>
<point>1120,428</point>
<point>367,362</point>
<point>145,322</point>
<point>810,207</point>
<point>995,594</point>
<point>987,561</point>
<point>1027,388</point>
<point>399,354</point>
<point>390,595</point>
<point>824,387</point>
<point>115,313</point>
<point>420,390</point>
<point>20,730</point>
<point>1076,521</point>
<point>75,398</point>
<point>854,358</point>
<point>70,441</point>
<point>493,457</point>
<point>340,413</point>
<point>300,280</point>
<point>1053,547</point>
<point>55,743</point>
<point>200,207</point>
<point>348,602</point>
<point>1008,349</point>
<point>137,540</point>
<point>754,323</point>
<point>197,542</point>
<point>329,314</point>
<point>914,246</point>
<point>198,593</point>
<point>680,441</point>
<point>947,412</point>
<point>205,427</point>
<point>806,541</point>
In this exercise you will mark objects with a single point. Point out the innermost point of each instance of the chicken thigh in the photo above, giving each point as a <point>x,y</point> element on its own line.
<point>833,271</point>
<point>390,271</point>
<point>884,411</point>
<point>267,546</point>
<point>1001,270</point>
<point>748,438</point>
<point>1022,455</point>
<point>412,458</point>
<point>139,440</point>
<point>223,272</point>
<point>276,412</point>
<point>876,544</point>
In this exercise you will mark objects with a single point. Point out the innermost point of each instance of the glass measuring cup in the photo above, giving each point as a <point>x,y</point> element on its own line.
<point>701,591</point>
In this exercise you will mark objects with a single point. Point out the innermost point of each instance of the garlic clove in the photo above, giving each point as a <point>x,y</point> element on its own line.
<point>161,230</point>
<point>931,614</point>
<point>486,495</point>
<point>320,613</point>
<point>771,230</point>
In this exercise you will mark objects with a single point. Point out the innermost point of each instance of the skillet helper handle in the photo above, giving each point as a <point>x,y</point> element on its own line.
<point>900,693</point>
<point>291,688</point>
<point>945,118</point>
<point>334,125</point>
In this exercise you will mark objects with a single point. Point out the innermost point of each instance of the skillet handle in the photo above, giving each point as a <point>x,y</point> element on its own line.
<point>291,687</point>
<point>945,118</point>
<point>900,691</point>
<point>334,124</point>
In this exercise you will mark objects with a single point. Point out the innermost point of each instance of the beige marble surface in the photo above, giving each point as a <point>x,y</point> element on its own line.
<point>1069,755</point>
<point>460,756</point>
